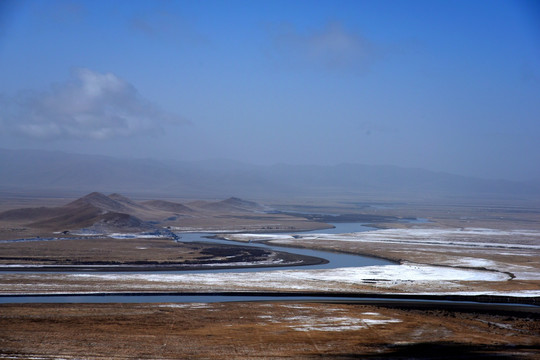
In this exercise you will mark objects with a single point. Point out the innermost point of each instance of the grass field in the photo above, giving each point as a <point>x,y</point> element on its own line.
<point>260,331</point>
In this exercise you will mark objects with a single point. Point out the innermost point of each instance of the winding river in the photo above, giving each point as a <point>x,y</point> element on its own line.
<point>336,260</point>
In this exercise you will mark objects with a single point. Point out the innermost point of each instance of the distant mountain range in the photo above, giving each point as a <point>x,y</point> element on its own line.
<point>32,172</point>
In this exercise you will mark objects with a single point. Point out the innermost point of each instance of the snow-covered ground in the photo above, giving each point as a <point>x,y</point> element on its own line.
<point>510,251</point>
<point>405,278</point>
<point>138,236</point>
<point>334,323</point>
<point>465,237</point>
<point>308,279</point>
<point>459,254</point>
<point>395,277</point>
<point>258,237</point>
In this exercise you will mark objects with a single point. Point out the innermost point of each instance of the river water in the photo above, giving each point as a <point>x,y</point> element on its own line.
<point>466,303</point>
<point>335,260</point>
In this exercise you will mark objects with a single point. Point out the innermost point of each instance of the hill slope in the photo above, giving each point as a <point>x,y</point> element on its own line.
<point>168,206</point>
<point>92,209</point>
<point>116,212</point>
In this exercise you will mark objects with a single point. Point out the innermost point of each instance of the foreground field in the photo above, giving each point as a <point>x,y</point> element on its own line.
<point>259,331</point>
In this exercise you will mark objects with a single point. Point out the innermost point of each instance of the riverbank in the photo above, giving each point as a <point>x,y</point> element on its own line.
<point>274,260</point>
<point>96,254</point>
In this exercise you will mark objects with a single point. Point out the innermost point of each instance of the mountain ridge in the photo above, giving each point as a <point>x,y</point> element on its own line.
<point>25,170</point>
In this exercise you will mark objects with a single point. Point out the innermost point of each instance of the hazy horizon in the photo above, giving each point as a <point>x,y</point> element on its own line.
<point>231,164</point>
<point>449,87</point>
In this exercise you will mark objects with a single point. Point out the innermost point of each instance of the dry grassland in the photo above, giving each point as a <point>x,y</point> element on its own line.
<point>97,250</point>
<point>260,331</point>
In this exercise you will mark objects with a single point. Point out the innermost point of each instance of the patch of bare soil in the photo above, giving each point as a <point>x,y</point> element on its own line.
<point>261,330</point>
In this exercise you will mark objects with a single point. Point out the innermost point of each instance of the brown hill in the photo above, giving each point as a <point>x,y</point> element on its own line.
<point>120,221</point>
<point>99,213</point>
<point>127,202</point>
<point>114,211</point>
<point>99,201</point>
<point>232,204</point>
<point>117,212</point>
<point>168,206</point>
<point>242,204</point>
<point>72,217</point>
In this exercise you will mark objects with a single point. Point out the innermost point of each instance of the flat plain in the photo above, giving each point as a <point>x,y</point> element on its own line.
<point>261,330</point>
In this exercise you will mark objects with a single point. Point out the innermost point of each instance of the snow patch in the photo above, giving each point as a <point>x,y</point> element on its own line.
<point>471,262</point>
<point>136,236</point>
<point>255,237</point>
<point>382,276</point>
<point>334,323</point>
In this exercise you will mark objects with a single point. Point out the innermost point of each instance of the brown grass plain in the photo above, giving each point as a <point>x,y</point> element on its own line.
<point>261,330</point>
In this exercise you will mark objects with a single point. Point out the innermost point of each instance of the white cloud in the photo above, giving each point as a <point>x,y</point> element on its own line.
<point>91,105</point>
<point>332,47</point>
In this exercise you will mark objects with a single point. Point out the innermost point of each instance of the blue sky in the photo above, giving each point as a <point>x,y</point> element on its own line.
<point>449,86</point>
